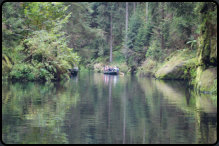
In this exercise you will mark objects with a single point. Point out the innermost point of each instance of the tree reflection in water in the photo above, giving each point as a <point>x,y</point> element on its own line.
<point>97,108</point>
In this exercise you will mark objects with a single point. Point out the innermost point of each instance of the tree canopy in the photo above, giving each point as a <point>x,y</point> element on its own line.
<point>54,34</point>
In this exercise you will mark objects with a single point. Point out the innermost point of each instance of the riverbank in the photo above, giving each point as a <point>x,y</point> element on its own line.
<point>182,65</point>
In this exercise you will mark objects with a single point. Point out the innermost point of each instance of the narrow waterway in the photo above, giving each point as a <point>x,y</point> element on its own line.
<point>97,108</point>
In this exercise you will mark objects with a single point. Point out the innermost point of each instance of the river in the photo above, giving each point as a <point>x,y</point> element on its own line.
<point>97,108</point>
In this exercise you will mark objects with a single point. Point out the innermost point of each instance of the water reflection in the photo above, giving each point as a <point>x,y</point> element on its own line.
<point>36,110</point>
<point>110,79</point>
<point>188,112</point>
<point>97,108</point>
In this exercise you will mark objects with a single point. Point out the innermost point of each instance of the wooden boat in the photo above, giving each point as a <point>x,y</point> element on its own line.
<point>111,72</point>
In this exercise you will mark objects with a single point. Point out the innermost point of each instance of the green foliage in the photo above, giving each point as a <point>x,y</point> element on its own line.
<point>43,34</point>
<point>52,51</point>
<point>88,40</point>
<point>13,28</point>
<point>28,72</point>
<point>134,26</point>
<point>214,88</point>
<point>45,75</point>
<point>118,57</point>
<point>207,50</point>
<point>190,73</point>
<point>43,52</point>
<point>192,43</point>
<point>190,70</point>
<point>6,66</point>
<point>83,69</point>
<point>148,68</point>
<point>154,51</point>
<point>193,73</point>
<point>23,72</point>
<point>42,15</point>
<point>143,37</point>
<point>100,47</point>
<point>123,68</point>
<point>139,37</point>
<point>183,24</point>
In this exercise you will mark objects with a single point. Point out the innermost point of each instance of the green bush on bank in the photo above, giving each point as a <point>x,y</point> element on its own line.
<point>23,72</point>
<point>27,72</point>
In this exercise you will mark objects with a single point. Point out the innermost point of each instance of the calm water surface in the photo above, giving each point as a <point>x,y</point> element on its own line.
<point>97,108</point>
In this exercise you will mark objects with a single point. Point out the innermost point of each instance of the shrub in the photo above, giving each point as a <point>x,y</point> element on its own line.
<point>45,75</point>
<point>123,68</point>
<point>29,72</point>
<point>52,54</point>
<point>23,72</point>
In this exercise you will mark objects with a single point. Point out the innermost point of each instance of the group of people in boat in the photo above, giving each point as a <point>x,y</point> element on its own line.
<point>109,68</point>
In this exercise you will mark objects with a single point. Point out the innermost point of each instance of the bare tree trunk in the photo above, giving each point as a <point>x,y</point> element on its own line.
<point>134,7</point>
<point>162,42</point>
<point>126,29</point>
<point>162,9</point>
<point>162,15</point>
<point>146,12</point>
<point>111,40</point>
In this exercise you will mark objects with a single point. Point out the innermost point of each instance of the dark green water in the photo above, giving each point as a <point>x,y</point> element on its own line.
<point>97,108</point>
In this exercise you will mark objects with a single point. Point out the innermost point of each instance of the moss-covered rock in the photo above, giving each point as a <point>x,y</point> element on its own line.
<point>206,74</point>
<point>177,66</point>
<point>171,71</point>
<point>206,79</point>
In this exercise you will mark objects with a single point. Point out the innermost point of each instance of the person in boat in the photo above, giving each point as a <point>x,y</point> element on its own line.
<point>107,68</point>
<point>115,69</point>
<point>110,69</point>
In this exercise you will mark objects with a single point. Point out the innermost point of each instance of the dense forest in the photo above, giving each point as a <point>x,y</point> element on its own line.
<point>165,91</point>
<point>165,40</point>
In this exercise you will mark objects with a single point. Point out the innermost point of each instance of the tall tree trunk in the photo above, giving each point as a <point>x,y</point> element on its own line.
<point>162,42</point>
<point>111,40</point>
<point>126,28</point>
<point>134,7</point>
<point>162,9</point>
<point>146,12</point>
<point>162,20</point>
